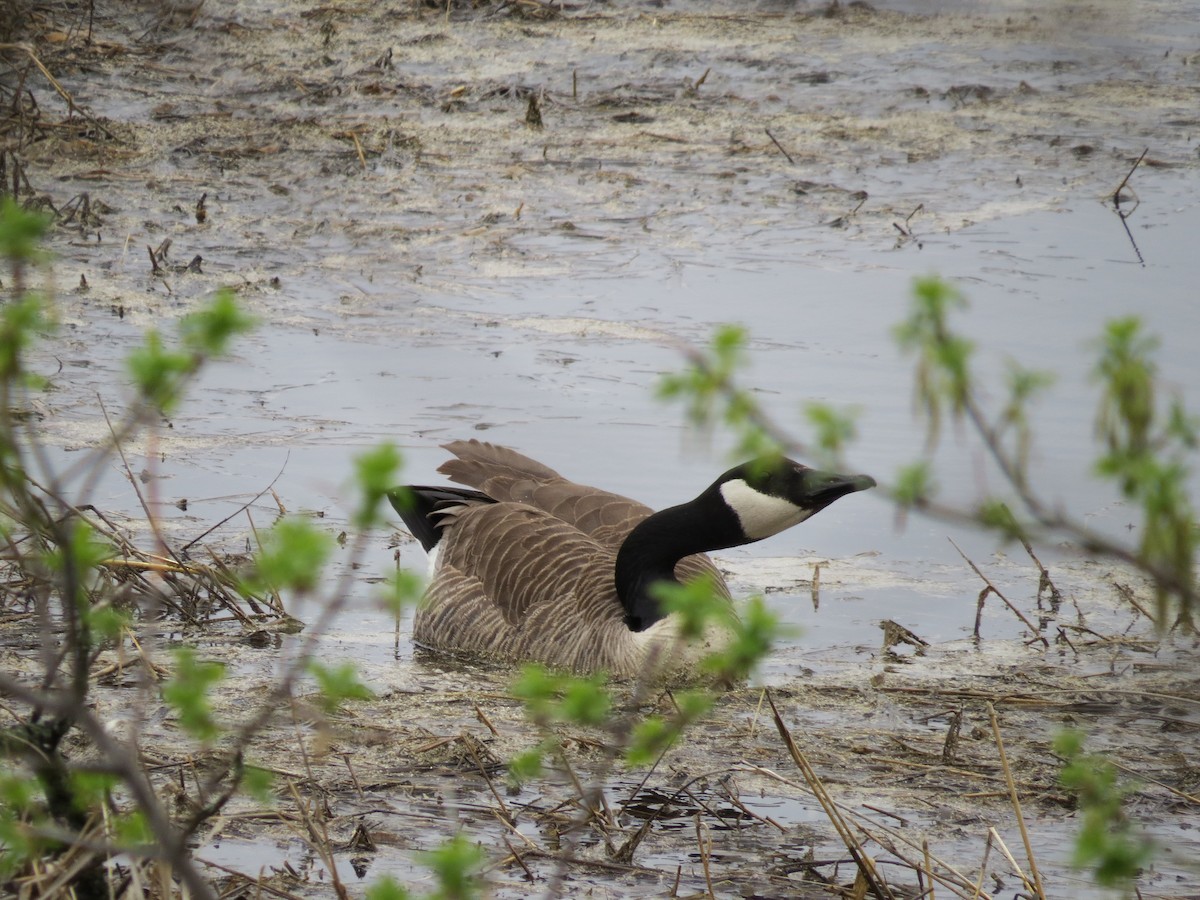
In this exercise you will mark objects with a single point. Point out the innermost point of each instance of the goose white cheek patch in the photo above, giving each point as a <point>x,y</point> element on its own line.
<point>761,515</point>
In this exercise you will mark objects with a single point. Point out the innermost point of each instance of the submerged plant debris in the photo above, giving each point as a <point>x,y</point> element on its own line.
<point>400,174</point>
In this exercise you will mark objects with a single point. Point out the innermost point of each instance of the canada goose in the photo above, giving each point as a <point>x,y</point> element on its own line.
<point>532,567</point>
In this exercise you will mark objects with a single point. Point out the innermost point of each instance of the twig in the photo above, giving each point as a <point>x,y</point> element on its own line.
<point>122,763</point>
<point>995,590</point>
<point>1046,520</point>
<point>1044,580</point>
<point>517,857</point>
<point>349,768</point>
<point>151,519</point>
<point>1137,251</point>
<point>787,155</point>
<point>465,740</point>
<point>1127,593</point>
<point>1007,854</point>
<point>1116,195</point>
<point>239,510</point>
<point>318,839</point>
<point>482,717</point>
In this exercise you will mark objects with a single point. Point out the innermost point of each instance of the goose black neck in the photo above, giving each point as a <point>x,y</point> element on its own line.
<point>650,552</point>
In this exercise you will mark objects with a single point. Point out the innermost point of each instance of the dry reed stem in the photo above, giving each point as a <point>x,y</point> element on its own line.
<point>1016,805</point>
<point>864,862</point>
<point>1007,854</point>
<point>72,107</point>
<point>959,884</point>
<point>259,886</point>
<point>1190,798</point>
<point>1045,581</point>
<point>928,868</point>
<point>705,848</point>
<point>951,770</point>
<point>987,851</point>
<point>318,839</point>
<point>894,835</point>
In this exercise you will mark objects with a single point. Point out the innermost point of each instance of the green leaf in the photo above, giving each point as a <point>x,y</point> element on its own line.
<point>293,557</point>
<point>1149,456</point>
<point>187,693</point>
<point>539,690</point>
<point>1024,384</point>
<point>209,331</point>
<point>695,603</point>
<point>835,430</point>
<point>526,766</point>
<point>19,842</point>
<point>942,376</point>
<point>158,373</point>
<point>586,701</point>
<point>1127,374</point>
<point>694,704</point>
<point>456,865</point>
<point>22,320</point>
<point>551,697</point>
<point>914,485</point>
<point>107,622</point>
<point>77,561</point>
<point>133,829</point>
<point>21,231</point>
<point>650,738</point>
<point>400,589</point>
<point>338,683</point>
<point>1107,842</point>
<point>387,888</point>
<point>17,793</point>
<point>376,472</point>
<point>258,783</point>
<point>754,633</point>
<point>90,789</point>
<point>996,515</point>
<point>706,386</point>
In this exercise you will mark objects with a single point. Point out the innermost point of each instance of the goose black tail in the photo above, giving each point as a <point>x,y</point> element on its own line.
<point>419,507</point>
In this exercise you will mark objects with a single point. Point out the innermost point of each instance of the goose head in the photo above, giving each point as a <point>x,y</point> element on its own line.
<point>750,502</point>
<point>769,495</point>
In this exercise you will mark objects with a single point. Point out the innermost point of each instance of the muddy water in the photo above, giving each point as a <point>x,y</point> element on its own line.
<point>427,266</point>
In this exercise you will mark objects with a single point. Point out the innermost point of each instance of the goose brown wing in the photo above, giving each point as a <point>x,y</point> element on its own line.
<point>518,559</point>
<point>504,474</point>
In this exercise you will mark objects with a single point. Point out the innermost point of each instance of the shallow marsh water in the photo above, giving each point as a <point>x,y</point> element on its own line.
<point>425,266</point>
